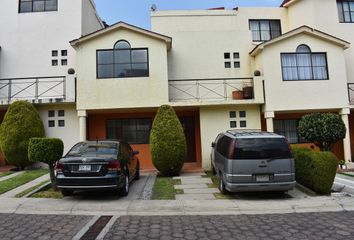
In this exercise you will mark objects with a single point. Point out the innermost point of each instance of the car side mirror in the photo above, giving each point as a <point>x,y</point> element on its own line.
<point>213,144</point>
<point>135,153</point>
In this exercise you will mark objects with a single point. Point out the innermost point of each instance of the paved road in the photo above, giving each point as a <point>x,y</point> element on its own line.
<point>334,225</point>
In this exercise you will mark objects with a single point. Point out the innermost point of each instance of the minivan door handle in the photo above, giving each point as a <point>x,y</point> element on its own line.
<point>262,165</point>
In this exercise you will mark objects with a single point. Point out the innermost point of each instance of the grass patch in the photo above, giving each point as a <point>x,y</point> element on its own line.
<point>3,174</point>
<point>48,193</point>
<point>163,188</point>
<point>21,194</point>
<point>346,174</point>
<point>19,180</point>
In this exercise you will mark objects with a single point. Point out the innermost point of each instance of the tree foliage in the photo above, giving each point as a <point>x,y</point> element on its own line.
<point>323,129</point>
<point>167,142</point>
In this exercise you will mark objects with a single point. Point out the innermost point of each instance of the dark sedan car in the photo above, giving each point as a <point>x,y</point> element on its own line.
<point>98,165</point>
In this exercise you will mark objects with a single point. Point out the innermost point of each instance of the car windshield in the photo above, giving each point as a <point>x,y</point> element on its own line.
<point>262,148</point>
<point>94,150</point>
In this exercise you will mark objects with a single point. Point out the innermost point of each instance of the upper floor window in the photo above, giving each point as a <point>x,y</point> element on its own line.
<point>265,30</point>
<point>346,11</point>
<point>122,61</point>
<point>38,5</point>
<point>304,65</point>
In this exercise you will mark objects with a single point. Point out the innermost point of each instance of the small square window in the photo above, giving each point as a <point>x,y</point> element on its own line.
<point>51,123</point>
<point>233,124</point>
<point>51,113</point>
<point>236,55</point>
<point>61,123</point>
<point>226,55</point>
<point>54,53</point>
<point>242,114</point>
<point>227,64</point>
<point>237,65</point>
<point>61,113</point>
<point>64,62</point>
<point>54,62</point>
<point>64,53</point>
<point>243,124</point>
<point>232,114</point>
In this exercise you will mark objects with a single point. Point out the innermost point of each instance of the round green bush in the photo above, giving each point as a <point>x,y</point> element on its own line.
<point>167,142</point>
<point>21,123</point>
<point>46,150</point>
<point>323,129</point>
<point>315,170</point>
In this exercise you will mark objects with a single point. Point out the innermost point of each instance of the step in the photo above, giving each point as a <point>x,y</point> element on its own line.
<point>195,181</point>
<point>201,191</point>
<point>201,196</point>
<point>191,186</point>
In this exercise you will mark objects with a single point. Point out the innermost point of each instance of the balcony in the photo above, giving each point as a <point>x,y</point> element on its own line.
<point>209,91</point>
<point>38,89</point>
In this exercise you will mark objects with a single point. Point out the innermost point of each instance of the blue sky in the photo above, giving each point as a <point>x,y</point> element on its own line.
<point>137,12</point>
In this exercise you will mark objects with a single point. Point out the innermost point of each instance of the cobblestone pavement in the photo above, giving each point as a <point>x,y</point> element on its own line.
<point>40,227</point>
<point>246,227</point>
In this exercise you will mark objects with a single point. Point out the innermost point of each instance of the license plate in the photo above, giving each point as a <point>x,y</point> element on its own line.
<point>262,178</point>
<point>85,168</point>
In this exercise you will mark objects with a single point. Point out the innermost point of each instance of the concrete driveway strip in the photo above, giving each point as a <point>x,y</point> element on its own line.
<point>11,176</point>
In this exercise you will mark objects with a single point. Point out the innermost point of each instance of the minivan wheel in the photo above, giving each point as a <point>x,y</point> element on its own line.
<point>123,191</point>
<point>222,185</point>
<point>66,192</point>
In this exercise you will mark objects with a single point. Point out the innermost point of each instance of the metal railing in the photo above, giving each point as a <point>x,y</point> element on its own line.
<point>351,93</point>
<point>34,88</point>
<point>211,89</point>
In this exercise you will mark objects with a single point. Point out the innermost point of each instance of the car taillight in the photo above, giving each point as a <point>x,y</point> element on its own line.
<point>113,165</point>
<point>59,167</point>
<point>289,147</point>
<point>232,147</point>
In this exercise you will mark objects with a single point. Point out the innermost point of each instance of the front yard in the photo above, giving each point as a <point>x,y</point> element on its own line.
<point>164,188</point>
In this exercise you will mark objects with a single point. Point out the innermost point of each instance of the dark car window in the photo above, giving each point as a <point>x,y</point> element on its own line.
<point>262,148</point>
<point>93,150</point>
<point>223,146</point>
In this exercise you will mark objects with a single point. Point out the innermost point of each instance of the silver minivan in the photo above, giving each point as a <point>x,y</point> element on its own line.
<point>248,161</point>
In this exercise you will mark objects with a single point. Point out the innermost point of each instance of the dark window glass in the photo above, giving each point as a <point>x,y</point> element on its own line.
<point>242,114</point>
<point>243,124</point>
<point>232,114</point>
<point>122,62</point>
<point>304,65</point>
<point>345,11</point>
<point>51,123</point>
<point>61,123</point>
<point>227,64</point>
<point>226,55</point>
<point>237,65</point>
<point>54,53</point>
<point>51,113</point>
<point>264,30</point>
<point>233,124</point>
<point>136,131</point>
<point>122,44</point>
<point>236,55</point>
<point>61,113</point>
<point>64,53</point>
<point>54,62</point>
<point>224,146</point>
<point>93,149</point>
<point>64,62</point>
<point>288,128</point>
<point>261,148</point>
<point>38,5</point>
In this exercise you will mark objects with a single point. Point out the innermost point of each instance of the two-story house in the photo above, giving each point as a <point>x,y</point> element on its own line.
<point>37,62</point>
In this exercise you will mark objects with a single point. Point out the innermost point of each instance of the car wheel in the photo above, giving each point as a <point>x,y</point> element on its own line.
<point>66,192</point>
<point>123,191</point>
<point>137,172</point>
<point>222,185</point>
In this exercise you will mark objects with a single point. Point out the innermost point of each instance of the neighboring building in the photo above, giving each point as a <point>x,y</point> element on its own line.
<point>35,57</point>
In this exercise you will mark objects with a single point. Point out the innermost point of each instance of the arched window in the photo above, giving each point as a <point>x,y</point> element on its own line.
<point>122,61</point>
<point>304,65</point>
<point>122,44</point>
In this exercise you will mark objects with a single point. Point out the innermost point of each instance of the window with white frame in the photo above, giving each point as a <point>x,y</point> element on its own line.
<point>346,11</point>
<point>304,65</point>
<point>264,30</point>
<point>37,5</point>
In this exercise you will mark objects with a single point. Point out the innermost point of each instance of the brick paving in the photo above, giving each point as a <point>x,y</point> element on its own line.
<point>40,227</point>
<point>295,226</point>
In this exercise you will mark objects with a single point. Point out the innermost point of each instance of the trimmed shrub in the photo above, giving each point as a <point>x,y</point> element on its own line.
<point>21,123</point>
<point>323,129</point>
<point>167,142</point>
<point>46,150</point>
<point>315,170</point>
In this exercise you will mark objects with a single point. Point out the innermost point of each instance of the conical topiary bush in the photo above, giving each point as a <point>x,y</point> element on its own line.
<point>167,142</point>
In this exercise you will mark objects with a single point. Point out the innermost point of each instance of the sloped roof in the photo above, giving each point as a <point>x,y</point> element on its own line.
<point>122,25</point>
<point>302,30</point>
<point>287,3</point>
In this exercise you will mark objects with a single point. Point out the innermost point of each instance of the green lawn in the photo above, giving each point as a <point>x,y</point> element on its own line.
<point>163,188</point>
<point>21,194</point>
<point>19,180</point>
<point>3,174</point>
<point>48,193</point>
<point>346,174</point>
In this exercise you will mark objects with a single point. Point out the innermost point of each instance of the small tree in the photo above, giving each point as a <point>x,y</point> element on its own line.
<point>323,129</point>
<point>46,150</point>
<point>167,142</point>
<point>21,122</point>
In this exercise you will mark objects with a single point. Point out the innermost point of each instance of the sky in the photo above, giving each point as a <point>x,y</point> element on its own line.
<point>137,12</point>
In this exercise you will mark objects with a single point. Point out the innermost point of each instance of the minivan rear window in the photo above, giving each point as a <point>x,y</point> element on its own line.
<point>262,148</point>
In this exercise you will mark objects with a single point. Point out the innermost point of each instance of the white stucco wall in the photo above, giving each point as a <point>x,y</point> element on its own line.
<point>115,93</point>
<point>216,119</point>
<point>304,95</point>
<point>69,134</point>
<point>91,22</point>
